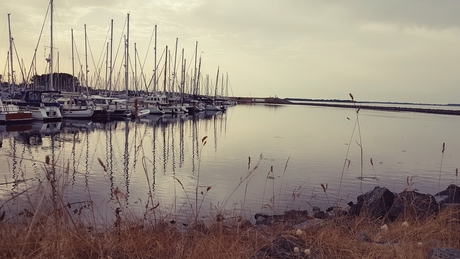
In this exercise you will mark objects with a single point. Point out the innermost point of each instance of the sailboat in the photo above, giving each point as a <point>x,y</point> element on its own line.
<point>10,113</point>
<point>213,106</point>
<point>42,104</point>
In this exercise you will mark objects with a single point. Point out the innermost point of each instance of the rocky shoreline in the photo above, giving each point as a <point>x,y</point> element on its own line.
<point>379,204</point>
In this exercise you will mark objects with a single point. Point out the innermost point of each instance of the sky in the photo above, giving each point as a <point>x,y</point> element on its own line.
<point>398,51</point>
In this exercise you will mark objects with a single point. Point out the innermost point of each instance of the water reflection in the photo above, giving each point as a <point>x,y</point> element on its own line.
<point>101,156</point>
<point>146,159</point>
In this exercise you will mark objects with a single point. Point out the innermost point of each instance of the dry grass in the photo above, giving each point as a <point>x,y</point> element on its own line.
<point>53,229</point>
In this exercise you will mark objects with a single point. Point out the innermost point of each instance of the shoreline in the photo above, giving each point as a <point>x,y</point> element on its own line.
<point>353,105</point>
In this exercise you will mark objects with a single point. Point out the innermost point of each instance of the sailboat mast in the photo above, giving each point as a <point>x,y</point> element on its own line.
<point>226,86</point>
<point>111,49</point>
<point>51,45</point>
<point>127,57</point>
<point>155,63</point>
<point>196,90</point>
<point>166,66</point>
<point>106,64</point>
<point>86,60</point>
<point>217,82</point>
<point>11,52</point>
<point>175,58</point>
<point>73,63</point>
<point>182,81</point>
<point>195,83</point>
<point>135,67</point>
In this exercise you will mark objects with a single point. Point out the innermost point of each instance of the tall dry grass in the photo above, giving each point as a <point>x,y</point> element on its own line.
<point>49,232</point>
<point>48,226</point>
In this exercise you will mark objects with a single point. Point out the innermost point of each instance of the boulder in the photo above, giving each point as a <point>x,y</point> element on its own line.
<point>414,205</point>
<point>283,246</point>
<point>449,195</point>
<point>444,253</point>
<point>289,217</point>
<point>375,203</point>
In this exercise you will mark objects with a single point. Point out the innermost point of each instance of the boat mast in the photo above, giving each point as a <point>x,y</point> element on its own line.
<point>127,58</point>
<point>195,83</point>
<point>51,45</point>
<point>174,73</point>
<point>226,86</point>
<point>184,61</point>
<point>217,82</point>
<point>196,91</point>
<point>73,63</point>
<point>11,54</point>
<point>166,66</point>
<point>86,61</point>
<point>135,68</point>
<point>155,65</point>
<point>111,50</point>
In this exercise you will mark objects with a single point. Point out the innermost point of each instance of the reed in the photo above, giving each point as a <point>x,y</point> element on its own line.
<point>49,226</point>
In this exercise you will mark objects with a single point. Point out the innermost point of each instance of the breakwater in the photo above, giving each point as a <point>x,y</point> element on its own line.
<point>353,105</point>
<point>384,108</point>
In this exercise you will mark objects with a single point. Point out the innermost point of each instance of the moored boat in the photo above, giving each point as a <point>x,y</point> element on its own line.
<point>75,108</point>
<point>10,113</point>
<point>42,105</point>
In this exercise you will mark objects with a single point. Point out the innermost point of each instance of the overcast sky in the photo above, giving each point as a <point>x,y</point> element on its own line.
<point>377,50</point>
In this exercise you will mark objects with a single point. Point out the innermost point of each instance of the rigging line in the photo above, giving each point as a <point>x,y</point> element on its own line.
<point>118,75</point>
<point>148,48</point>
<point>142,75</point>
<point>19,62</point>
<point>58,23</point>
<point>79,62</point>
<point>136,81</point>
<point>94,64</point>
<point>100,62</point>
<point>5,67</point>
<point>33,65</point>
<point>119,43</point>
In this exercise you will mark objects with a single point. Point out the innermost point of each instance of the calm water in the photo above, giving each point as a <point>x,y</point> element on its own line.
<point>295,150</point>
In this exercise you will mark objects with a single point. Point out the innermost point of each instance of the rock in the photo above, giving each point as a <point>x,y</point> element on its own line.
<point>320,215</point>
<point>413,204</point>
<point>444,253</point>
<point>282,247</point>
<point>449,195</point>
<point>375,203</point>
<point>363,236</point>
<point>315,209</point>
<point>339,211</point>
<point>309,223</point>
<point>289,217</point>
<point>244,224</point>
<point>261,219</point>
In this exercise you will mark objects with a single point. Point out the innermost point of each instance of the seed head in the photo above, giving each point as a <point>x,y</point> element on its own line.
<point>296,250</point>
<point>384,227</point>
<point>299,232</point>
<point>405,224</point>
<point>306,251</point>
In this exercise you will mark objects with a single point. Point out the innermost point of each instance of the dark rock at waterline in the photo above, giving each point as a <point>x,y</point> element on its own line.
<point>375,203</point>
<point>444,253</point>
<point>449,195</point>
<point>414,205</point>
<point>283,246</point>
<point>291,216</point>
